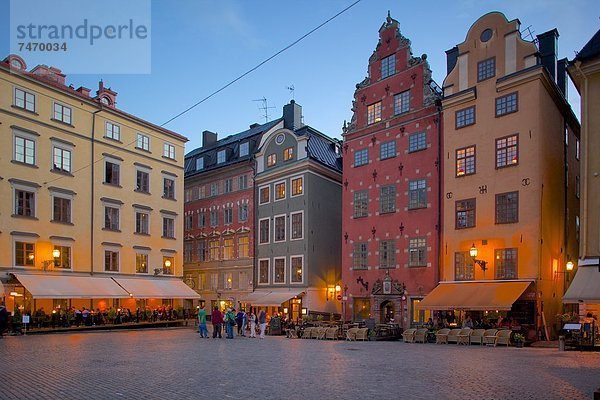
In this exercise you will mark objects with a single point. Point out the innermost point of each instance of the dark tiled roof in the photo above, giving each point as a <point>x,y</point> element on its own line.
<point>322,149</point>
<point>231,144</point>
<point>591,49</point>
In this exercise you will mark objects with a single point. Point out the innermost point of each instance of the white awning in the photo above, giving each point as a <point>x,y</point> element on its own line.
<point>585,287</point>
<point>157,288</point>
<point>270,297</point>
<point>70,287</point>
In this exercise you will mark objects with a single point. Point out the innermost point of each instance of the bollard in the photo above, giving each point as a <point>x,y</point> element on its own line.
<point>597,394</point>
<point>561,343</point>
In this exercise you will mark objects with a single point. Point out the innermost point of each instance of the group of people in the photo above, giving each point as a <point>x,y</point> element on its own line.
<point>483,323</point>
<point>229,320</point>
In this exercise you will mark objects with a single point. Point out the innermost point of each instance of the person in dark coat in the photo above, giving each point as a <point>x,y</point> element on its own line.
<point>3,319</point>
<point>217,321</point>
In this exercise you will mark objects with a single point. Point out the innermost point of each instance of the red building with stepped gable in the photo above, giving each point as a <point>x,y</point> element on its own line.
<point>391,205</point>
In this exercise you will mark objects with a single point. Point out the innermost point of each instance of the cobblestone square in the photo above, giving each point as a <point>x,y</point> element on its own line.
<point>177,363</point>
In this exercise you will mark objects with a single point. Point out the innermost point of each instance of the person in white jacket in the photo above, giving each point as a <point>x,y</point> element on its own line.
<point>252,319</point>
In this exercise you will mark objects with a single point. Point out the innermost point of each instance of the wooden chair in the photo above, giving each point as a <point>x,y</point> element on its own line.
<point>441,337</point>
<point>503,337</point>
<point>477,336</point>
<point>362,334</point>
<point>351,334</point>
<point>489,337</point>
<point>453,335</point>
<point>408,336</point>
<point>463,336</point>
<point>421,335</point>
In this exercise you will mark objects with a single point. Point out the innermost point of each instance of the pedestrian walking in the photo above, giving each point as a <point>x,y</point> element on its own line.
<point>217,321</point>
<point>202,323</point>
<point>262,321</point>
<point>252,319</point>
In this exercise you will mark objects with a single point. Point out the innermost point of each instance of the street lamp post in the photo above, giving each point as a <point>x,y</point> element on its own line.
<point>482,263</point>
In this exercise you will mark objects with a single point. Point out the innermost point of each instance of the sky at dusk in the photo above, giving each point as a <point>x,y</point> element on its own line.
<point>200,45</point>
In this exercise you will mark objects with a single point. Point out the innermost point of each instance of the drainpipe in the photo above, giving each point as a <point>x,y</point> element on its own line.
<point>92,193</point>
<point>256,228</point>
<point>440,177</point>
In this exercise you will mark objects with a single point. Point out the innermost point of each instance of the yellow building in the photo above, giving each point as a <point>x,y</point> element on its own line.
<point>510,166</point>
<point>92,198</point>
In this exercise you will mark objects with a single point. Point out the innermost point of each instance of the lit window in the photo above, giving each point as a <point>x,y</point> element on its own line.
<point>113,131</point>
<point>465,117</point>
<point>288,154</point>
<point>62,113</point>
<point>387,150</point>
<point>263,271</point>
<point>141,263</point>
<point>228,280</point>
<point>243,246</point>
<point>213,249</point>
<point>507,151</point>
<point>169,151</point>
<point>280,191</point>
<point>24,254</point>
<point>297,186</point>
<point>465,214</point>
<point>168,265</point>
<point>463,266</point>
<point>143,142</point>
<point>361,157</point>
<point>486,69</point>
<point>417,141</point>
<point>271,159</point>
<point>506,104</point>
<point>507,208</point>
<point>505,263</point>
<point>388,66</point>
<point>417,194</point>
<point>264,195</point>
<point>228,249</point>
<point>279,270</point>
<point>297,268</point>
<point>24,100</point>
<point>63,261</point>
<point>402,102</point>
<point>465,161</point>
<point>374,113</point>
<point>417,252</point>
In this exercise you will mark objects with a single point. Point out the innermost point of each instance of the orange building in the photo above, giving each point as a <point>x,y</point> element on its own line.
<point>511,168</point>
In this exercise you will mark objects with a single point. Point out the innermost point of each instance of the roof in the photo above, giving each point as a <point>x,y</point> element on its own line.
<point>591,48</point>
<point>321,148</point>
<point>232,146</point>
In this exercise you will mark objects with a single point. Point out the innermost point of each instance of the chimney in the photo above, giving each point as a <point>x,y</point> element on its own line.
<point>49,73</point>
<point>208,138</point>
<point>292,116</point>
<point>548,50</point>
<point>561,76</point>
<point>451,58</point>
<point>254,125</point>
<point>83,90</point>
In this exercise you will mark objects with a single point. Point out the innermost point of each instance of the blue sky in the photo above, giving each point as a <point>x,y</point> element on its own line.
<point>200,45</point>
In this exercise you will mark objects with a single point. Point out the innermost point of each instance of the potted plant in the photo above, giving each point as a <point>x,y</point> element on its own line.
<point>518,339</point>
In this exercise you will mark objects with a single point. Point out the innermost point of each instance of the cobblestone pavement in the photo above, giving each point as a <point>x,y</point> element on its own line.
<point>176,363</point>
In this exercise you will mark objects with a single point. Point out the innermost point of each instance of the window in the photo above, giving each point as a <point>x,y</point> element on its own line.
<point>228,280</point>
<point>243,213</point>
<point>243,246</point>
<point>111,261</point>
<point>402,103</point>
<point>228,215</point>
<point>465,213</point>
<point>63,261</point>
<point>416,252</point>
<point>111,218</point>
<point>244,149</point>
<point>388,66</point>
<point>505,263</point>
<point>214,281</point>
<point>387,199</point>
<point>142,181</point>
<point>220,156</point>
<point>201,220</point>
<point>297,226</point>
<point>507,208</point>
<point>202,250</point>
<point>243,182</point>
<point>168,228</point>
<point>507,104</point>
<point>361,157</point>
<point>213,249</point>
<point>143,142</point>
<point>417,194</point>
<point>62,113</point>
<point>168,265</point>
<point>24,100</point>
<point>113,131</point>
<point>387,254</point>
<point>387,150</point>
<point>199,163</point>
<point>24,254</point>
<point>228,186</point>
<point>288,154</point>
<point>61,160</point>
<point>214,218</point>
<point>577,187</point>
<point>486,69</point>
<point>25,150</point>
<point>264,231</point>
<point>228,248</point>
<point>359,256</point>
<point>188,248</point>
<point>142,222</point>
<point>507,151</point>
<point>168,188</point>
<point>416,142</point>
<point>279,270</point>
<point>112,173</point>
<point>361,203</point>
<point>214,188</point>
<point>297,267</point>
<point>264,195</point>
<point>24,203</point>
<point>61,209</point>
<point>279,228</point>
<point>296,186</point>
<point>263,271</point>
<point>465,161</point>
<point>374,113</point>
<point>141,263</point>
<point>169,151</point>
<point>271,159</point>
<point>577,149</point>
<point>280,191</point>
<point>465,117</point>
<point>463,266</point>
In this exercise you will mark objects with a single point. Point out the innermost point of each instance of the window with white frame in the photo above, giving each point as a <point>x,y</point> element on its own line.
<point>61,208</point>
<point>402,102</point>
<point>63,261</point>
<point>243,212</point>
<point>263,226</point>
<point>228,185</point>
<point>271,160</point>
<point>417,250</point>
<point>388,66</point>
<point>111,261</point>
<point>297,225</point>
<point>112,172</point>
<point>199,163</point>
<point>111,218</point>
<point>243,182</point>
<point>24,100</point>
<point>24,254</point>
<point>61,159</point>
<point>62,113</point>
<point>143,142</point>
<point>25,151</point>
<point>297,186</point>
<point>142,222</point>
<point>288,154</point>
<point>168,188</point>
<point>263,271</point>
<point>279,228</point>
<point>228,215</point>
<point>417,194</point>
<point>169,151</point>
<point>168,227</point>
<point>141,263</point>
<point>264,195</point>
<point>142,181</point>
<point>280,191</point>
<point>25,203</point>
<point>279,270</point>
<point>113,131</point>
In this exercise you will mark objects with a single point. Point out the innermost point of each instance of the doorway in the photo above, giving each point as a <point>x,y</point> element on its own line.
<point>386,312</point>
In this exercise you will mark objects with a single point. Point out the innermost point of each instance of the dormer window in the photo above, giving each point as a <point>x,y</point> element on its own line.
<point>221,157</point>
<point>271,159</point>
<point>244,149</point>
<point>199,163</point>
<point>288,154</point>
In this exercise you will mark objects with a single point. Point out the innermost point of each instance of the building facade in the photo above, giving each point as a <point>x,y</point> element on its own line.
<point>219,215</point>
<point>93,198</point>
<point>298,219</point>
<point>510,180</point>
<point>391,206</point>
